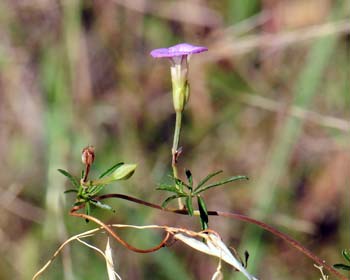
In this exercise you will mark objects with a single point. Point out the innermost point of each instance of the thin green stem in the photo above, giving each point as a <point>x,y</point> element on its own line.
<point>175,149</point>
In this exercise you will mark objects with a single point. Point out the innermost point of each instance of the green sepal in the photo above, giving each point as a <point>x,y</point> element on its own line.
<point>203,212</point>
<point>73,180</point>
<point>220,183</point>
<point>342,266</point>
<point>101,205</point>
<point>189,205</point>
<point>206,179</point>
<point>111,169</point>
<point>71,190</point>
<point>346,254</point>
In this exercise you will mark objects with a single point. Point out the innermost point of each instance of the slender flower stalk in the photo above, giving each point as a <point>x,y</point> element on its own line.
<point>175,149</point>
<point>179,56</point>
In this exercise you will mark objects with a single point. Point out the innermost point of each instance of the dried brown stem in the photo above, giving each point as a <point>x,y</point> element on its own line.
<point>73,212</point>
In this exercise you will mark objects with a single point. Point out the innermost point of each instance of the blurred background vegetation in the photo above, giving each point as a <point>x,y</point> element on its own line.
<point>269,100</point>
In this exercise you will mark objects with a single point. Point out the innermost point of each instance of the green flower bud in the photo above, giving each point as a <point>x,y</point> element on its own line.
<point>123,172</point>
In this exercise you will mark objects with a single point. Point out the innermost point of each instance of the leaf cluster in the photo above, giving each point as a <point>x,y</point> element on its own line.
<point>189,192</point>
<point>87,191</point>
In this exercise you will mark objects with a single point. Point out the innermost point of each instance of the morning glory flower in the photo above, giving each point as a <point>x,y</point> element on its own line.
<point>178,50</point>
<point>179,56</point>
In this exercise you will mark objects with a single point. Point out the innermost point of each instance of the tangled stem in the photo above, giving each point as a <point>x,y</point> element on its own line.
<point>230,215</point>
<point>73,212</point>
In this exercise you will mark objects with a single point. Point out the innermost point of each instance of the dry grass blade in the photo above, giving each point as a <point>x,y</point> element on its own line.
<point>109,262</point>
<point>214,247</point>
<point>58,251</point>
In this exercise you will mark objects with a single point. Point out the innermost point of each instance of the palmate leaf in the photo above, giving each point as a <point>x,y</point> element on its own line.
<point>71,178</point>
<point>111,169</point>
<point>206,179</point>
<point>223,182</point>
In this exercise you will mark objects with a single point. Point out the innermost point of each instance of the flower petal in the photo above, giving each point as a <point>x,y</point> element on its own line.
<point>178,50</point>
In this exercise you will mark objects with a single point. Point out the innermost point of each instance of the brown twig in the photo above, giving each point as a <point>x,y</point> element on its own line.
<point>240,217</point>
<point>73,212</point>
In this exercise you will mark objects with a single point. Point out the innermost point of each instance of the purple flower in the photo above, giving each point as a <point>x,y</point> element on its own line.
<point>179,55</point>
<point>183,49</point>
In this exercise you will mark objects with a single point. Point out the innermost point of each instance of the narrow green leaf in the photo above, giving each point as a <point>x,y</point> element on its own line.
<point>111,169</point>
<point>95,190</point>
<point>342,266</point>
<point>189,178</point>
<point>182,184</point>
<point>206,179</point>
<point>189,205</point>
<point>203,212</point>
<point>71,190</point>
<point>170,198</point>
<point>346,254</point>
<point>79,202</point>
<point>231,179</point>
<point>73,180</point>
<point>101,205</point>
<point>169,188</point>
